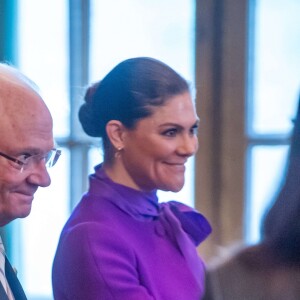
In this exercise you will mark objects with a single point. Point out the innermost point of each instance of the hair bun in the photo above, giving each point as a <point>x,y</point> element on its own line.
<point>88,120</point>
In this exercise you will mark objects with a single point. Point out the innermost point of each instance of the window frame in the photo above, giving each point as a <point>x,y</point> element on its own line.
<point>221,98</point>
<point>224,70</point>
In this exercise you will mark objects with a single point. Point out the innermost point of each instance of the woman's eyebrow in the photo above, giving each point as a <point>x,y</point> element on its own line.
<point>171,124</point>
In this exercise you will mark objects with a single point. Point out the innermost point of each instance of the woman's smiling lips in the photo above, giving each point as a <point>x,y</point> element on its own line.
<point>179,167</point>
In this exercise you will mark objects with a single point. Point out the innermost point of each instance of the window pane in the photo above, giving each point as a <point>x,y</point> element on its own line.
<point>95,158</point>
<point>276,65</point>
<point>40,231</point>
<point>43,56</point>
<point>123,29</point>
<point>43,50</point>
<point>160,29</point>
<point>267,164</point>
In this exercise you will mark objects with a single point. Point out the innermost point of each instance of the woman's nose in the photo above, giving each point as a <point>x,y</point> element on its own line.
<point>188,145</point>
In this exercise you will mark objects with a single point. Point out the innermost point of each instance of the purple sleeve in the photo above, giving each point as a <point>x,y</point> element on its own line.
<point>95,264</point>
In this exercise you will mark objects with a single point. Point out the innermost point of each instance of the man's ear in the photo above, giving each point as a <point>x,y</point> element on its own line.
<point>115,131</point>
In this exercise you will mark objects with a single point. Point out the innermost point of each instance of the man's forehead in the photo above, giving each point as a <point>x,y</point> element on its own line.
<point>14,87</point>
<point>11,76</point>
<point>20,103</point>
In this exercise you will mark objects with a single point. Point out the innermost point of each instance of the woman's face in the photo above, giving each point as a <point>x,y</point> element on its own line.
<point>156,150</point>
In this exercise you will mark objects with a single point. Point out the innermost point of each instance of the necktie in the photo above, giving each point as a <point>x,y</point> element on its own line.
<point>2,271</point>
<point>2,266</point>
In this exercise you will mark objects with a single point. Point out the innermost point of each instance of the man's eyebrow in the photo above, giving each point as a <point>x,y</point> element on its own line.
<point>30,150</point>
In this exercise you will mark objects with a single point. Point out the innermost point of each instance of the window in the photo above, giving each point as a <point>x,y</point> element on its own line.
<point>247,66</point>
<point>273,101</point>
<point>43,56</point>
<point>63,47</point>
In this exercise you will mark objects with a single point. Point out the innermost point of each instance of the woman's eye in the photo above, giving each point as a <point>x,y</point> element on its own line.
<point>194,130</point>
<point>170,132</point>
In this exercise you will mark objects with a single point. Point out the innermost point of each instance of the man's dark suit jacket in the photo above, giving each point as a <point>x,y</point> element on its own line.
<point>14,284</point>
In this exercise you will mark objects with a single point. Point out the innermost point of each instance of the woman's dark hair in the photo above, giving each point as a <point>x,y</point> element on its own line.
<point>127,94</point>
<point>281,225</point>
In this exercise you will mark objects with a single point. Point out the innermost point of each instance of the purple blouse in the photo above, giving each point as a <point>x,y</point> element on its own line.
<point>121,244</point>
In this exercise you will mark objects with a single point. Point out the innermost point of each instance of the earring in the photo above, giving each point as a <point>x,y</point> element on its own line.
<point>118,152</point>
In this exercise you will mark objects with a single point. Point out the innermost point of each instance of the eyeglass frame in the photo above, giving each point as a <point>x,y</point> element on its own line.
<point>22,164</point>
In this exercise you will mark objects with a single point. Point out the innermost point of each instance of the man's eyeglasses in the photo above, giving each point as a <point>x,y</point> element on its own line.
<point>26,161</point>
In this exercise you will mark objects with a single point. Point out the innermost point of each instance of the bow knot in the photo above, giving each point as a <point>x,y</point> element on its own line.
<point>187,229</point>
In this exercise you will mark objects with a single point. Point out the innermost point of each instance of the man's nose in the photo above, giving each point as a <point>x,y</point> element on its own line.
<point>39,175</point>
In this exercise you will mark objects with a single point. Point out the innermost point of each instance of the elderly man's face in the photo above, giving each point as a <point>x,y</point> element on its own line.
<point>25,129</point>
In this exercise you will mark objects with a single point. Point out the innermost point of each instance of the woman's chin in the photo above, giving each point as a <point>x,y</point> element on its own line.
<point>175,188</point>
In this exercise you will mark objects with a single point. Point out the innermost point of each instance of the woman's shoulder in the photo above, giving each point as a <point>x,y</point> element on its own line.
<point>95,239</point>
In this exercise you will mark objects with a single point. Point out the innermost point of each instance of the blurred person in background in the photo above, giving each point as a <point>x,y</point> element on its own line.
<point>271,269</point>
